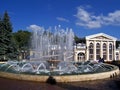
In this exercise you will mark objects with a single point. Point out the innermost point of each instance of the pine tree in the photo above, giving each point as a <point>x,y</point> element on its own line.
<point>8,48</point>
<point>2,41</point>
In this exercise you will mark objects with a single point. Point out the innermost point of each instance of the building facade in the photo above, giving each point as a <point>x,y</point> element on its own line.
<point>97,46</point>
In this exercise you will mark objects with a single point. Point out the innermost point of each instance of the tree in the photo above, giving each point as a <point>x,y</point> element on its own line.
<point>82,40</point>
<point>8,47</point>
<point>117,43</point>
<point>76,39</point>
<point>22,39</point>
<point>2,40</point>
<point>79,40</point>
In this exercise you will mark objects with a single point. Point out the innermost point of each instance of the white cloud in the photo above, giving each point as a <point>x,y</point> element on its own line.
<point>112,18</point>
<point>62,19</point>
<point>34,27</point>
<point>89,20</point>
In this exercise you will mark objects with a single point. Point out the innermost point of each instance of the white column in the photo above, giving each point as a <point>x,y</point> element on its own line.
<point>101,49</point>
<point>108,51</point>
<point>114,53</point>
<point>94,50</point>
<point>87,50</point>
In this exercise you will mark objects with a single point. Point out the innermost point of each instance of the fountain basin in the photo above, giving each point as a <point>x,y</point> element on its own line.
<point>63,78</point>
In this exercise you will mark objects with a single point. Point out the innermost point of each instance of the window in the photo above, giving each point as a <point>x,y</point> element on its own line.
<point>81,57</point>
<point>110,51</point>
<point>97,51</point>
<point>117,56</point>
<point>104,51</point>
<point>91,47</point>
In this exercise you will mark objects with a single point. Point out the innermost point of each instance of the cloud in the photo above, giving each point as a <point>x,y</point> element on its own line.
<point>89,20</point>
<point>62,19</point>
<point>34,27</point>
<point>112,18</point>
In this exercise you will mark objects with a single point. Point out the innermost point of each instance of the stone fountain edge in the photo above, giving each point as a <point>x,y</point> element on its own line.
<point>62,78</point>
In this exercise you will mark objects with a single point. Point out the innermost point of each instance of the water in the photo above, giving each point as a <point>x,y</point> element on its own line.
<point>63,68</point>
<point>52,46</point>
<point>56,45</point>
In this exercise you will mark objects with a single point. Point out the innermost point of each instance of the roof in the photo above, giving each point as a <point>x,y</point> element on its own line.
<point>101,34</point>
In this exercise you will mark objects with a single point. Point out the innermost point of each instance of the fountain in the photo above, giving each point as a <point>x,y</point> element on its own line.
<point>53,47</point>
<point>52,55</point>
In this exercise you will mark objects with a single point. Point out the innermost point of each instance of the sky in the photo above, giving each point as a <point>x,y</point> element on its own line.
<point>85,17</point>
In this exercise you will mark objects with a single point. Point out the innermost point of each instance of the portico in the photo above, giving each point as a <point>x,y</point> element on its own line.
<point>99,46</point>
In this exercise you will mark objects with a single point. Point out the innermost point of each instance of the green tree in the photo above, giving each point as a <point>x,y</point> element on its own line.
<point>2,40</point>
<point>22,39</point>
<point>117,43</point>
<point>8,47</point>
<point>82,40</point>
<point>79,40</point>
<point>76,38</point>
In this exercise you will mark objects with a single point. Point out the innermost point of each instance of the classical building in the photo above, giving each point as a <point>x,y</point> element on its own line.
<point>97,46</point>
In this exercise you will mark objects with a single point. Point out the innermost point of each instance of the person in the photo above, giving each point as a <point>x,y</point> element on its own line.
<point>99,59</point>
<point>102,60</point>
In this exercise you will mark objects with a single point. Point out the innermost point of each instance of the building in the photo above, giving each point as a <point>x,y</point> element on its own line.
<point>97,46</point>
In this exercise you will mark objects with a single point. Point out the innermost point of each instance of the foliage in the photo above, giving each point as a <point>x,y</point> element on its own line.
<point>22,39</point>
<point>117,44</point>
<point>8,48</point>
<point>2,41</point>
<point>79,40</point>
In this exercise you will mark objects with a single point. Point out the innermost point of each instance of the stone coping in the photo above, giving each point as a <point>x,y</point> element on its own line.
<point>3,62</point>
<point>62,78</point>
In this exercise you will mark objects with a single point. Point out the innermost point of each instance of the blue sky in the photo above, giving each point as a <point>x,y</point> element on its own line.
<point>85,17</point>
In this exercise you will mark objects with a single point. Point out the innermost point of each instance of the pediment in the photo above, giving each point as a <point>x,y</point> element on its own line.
<point>100,36</point>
